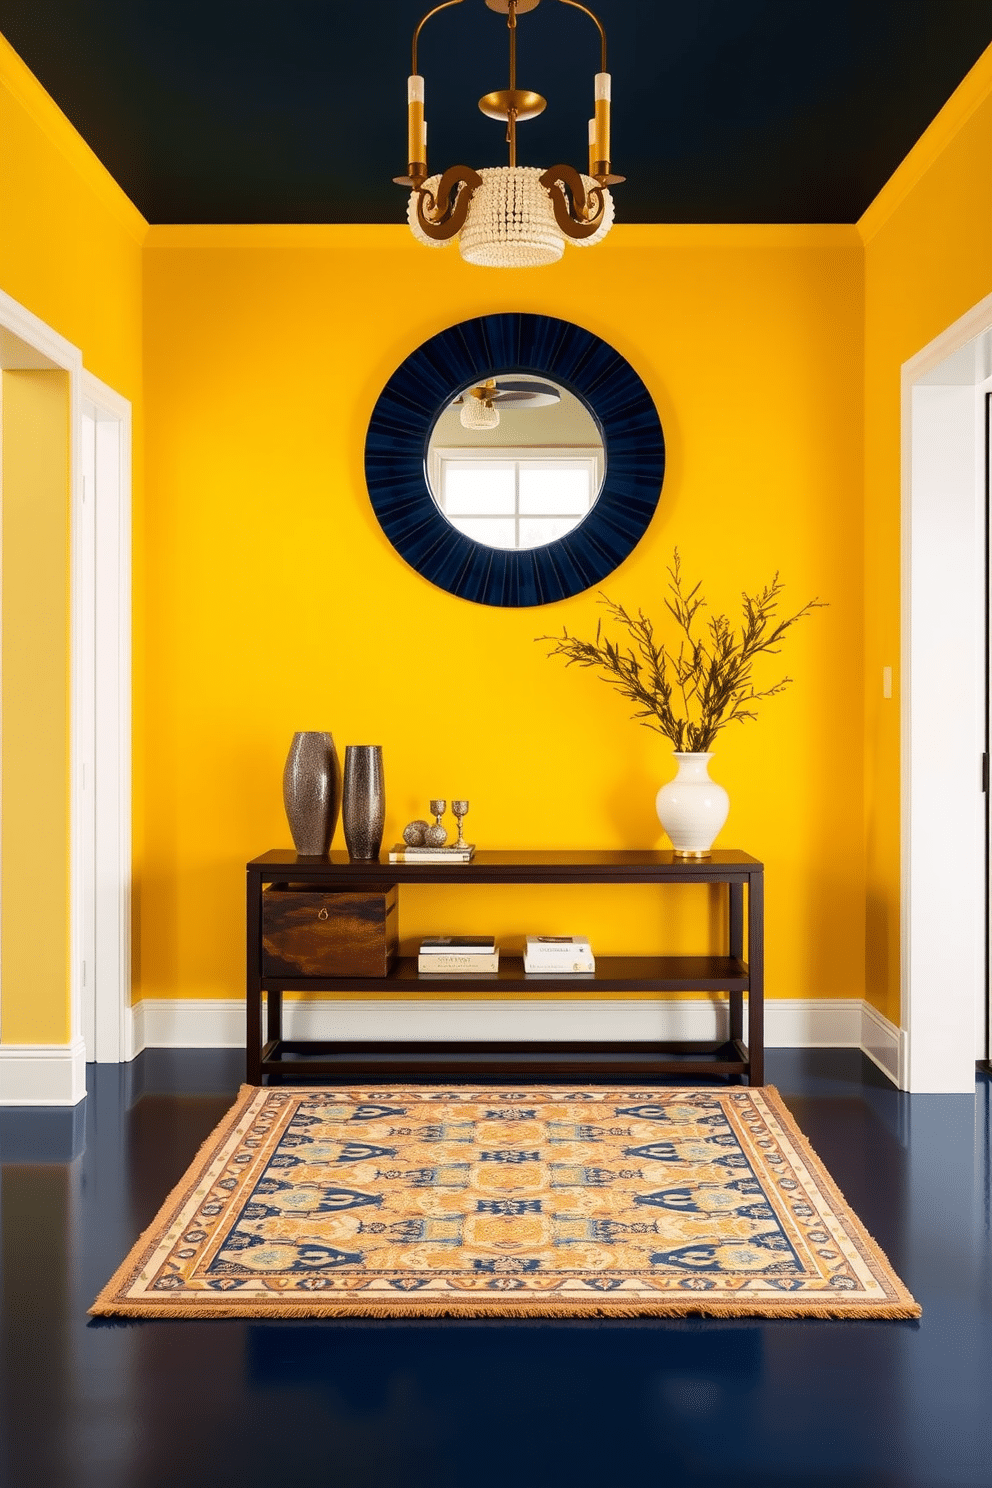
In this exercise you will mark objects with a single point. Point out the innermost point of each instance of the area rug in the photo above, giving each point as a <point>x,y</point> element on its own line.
<point>461,1201</point>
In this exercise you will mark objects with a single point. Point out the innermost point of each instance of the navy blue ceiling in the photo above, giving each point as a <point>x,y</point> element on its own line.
<point>724,110</point>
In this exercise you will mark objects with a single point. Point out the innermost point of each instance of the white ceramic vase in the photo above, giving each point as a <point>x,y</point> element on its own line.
<point>692,808</point>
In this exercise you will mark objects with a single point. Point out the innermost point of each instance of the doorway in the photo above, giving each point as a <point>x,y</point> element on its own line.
<point>95,476</point>
<point>945,708</point>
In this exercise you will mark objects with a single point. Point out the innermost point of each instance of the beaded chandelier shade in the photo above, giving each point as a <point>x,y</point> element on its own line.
<point>513,216</point>
<point>478,410</point>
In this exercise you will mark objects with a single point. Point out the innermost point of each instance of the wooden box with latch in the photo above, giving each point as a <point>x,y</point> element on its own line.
<point>325,933</point>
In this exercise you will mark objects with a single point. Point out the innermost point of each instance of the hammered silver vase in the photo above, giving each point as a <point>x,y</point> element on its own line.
<point>364,802</point>
<point>311,792</point>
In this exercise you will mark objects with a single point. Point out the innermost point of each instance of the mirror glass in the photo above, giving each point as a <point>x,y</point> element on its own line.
<point>515,461</point>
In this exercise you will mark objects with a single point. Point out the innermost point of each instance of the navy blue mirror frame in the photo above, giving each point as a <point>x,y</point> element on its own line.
<point>492,345</point>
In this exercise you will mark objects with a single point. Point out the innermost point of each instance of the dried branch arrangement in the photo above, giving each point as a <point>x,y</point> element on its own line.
<point>690,694</point>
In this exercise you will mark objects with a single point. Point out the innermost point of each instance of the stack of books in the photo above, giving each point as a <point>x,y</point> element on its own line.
<point>400,853</point>
<point>441,955</point>
<point>552,955</point>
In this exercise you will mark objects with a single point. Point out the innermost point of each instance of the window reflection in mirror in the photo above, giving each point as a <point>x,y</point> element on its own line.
<point>515,461</point>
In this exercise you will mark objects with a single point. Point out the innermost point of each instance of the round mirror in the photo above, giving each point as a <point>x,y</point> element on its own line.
<point>514,459</point>
<point>515,462</point>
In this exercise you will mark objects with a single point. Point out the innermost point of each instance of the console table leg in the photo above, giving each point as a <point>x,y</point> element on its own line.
<point>756,977</point>
<point>253,989</point>
<point>273,1021</point>
<point>735,893</point>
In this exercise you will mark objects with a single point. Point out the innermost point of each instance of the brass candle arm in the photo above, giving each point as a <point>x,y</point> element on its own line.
<point>441,213</point>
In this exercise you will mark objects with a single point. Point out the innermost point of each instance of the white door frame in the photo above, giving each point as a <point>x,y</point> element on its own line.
<point>108,991</point>
<point>101,845</point>
<point>944,709</point>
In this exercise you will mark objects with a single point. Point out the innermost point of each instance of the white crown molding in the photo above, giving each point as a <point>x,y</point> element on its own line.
<point>42,1074</point>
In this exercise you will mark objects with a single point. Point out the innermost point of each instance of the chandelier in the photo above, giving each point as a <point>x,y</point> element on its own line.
<point>512,216</point>
<point>478,407</point>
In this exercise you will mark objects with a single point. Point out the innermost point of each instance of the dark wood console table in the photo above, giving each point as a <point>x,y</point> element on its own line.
<point>277,1058</point>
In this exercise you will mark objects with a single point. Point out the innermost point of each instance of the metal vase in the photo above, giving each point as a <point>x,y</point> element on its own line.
<point>364,806</point>
<point>311,792</point>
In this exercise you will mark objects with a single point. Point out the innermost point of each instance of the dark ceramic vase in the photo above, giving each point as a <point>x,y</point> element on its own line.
<point>364,805</point>
<point>311,792</point>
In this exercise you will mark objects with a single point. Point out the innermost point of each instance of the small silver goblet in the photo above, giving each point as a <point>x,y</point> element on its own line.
<point>438,808</point>
<point>459,810</point>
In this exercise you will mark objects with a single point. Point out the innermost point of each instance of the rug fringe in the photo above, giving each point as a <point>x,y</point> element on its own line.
<point>826,1312</point>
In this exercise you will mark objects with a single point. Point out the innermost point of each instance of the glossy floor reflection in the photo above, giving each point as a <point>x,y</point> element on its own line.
<point>484,1405</point>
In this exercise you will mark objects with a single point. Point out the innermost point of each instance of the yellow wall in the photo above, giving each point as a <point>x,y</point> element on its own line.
<point>266,598</point>
<point>70,251</point>
<point>35,670</point>
<point>928,259</point>
<point>273,602</point>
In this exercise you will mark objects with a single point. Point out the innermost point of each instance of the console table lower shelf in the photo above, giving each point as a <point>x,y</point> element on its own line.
<point>282,1058</point>
<point>289,1059</point>
<point>275,1058</point>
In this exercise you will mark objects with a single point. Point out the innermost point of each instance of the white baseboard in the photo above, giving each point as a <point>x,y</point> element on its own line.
<point>188,1023</point>
<point>813,1023</point>
<point>55,1074</point>
<point>42,1074</point>
<point>215,1023</point>
<point>884,1043</point>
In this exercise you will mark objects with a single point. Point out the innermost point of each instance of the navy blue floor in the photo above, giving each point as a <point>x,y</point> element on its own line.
<point>774,1404</point>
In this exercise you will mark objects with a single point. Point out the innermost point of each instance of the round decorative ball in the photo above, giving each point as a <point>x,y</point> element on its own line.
<point>413,833</point>
<point>435,836</point>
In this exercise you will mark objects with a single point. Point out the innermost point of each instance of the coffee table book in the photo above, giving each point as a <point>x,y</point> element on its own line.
<point>400,853</point>
<point>435,965</point>
<point>558,954</point>
<point>458,945</point>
